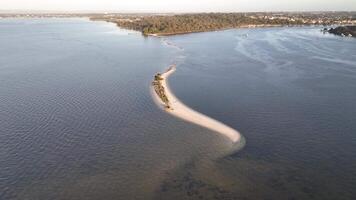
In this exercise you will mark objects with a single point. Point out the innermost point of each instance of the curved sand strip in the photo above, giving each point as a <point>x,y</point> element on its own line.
<point>182,111</point>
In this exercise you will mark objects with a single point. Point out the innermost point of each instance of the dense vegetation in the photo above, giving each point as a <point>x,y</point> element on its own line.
<point>344,31</point>
<point>176,24</point>
<point>159,89</point>
<point>187,23</point>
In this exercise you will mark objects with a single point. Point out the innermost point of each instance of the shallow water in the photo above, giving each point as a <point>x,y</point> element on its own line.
<point>78,122</point>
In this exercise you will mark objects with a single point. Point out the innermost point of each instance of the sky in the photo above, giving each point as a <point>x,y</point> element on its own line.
<point>179,5</point>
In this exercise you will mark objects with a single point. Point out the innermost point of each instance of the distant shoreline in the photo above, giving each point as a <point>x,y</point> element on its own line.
<point>175,107</point>
<point>178,24</point>
<point>222,29</point>
<point>157,25</point>
<point>232,28</point>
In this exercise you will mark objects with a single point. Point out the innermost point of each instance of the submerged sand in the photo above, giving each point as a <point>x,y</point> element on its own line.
<point>180,110</point>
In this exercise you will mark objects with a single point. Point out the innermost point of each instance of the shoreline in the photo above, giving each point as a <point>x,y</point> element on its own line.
<point>178,109</point>
<point>252,26</point>
<point>213,30</point>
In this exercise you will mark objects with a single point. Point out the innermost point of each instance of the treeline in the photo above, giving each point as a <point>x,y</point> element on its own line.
<point>176,24</point>
<point>187,23</point>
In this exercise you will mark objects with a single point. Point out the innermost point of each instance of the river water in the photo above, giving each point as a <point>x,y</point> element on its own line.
<point>78,121</point>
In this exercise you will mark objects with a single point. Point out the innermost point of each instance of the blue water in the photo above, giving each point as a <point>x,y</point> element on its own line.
<point>78,122</point>
<point>291,92</point>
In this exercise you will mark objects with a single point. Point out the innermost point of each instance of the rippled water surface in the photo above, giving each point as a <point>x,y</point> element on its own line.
<point>292,93</point>
<point>78,122</point>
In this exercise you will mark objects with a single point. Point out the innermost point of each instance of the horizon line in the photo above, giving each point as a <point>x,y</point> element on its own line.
<point>50,11</point>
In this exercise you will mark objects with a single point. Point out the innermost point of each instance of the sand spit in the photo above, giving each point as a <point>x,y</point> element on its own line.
<point>178,109</point>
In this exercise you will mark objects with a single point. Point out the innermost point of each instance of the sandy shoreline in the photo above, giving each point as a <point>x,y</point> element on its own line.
<point>180,110</point>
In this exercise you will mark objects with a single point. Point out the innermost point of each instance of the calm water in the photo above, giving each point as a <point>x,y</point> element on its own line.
<point>78,122</point>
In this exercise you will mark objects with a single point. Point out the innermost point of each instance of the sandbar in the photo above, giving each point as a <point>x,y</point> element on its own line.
<point>178,109</point>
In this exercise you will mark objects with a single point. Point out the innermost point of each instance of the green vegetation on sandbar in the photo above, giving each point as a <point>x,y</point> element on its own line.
<point>159,89</point>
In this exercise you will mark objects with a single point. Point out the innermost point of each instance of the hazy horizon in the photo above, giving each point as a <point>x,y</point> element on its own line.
<point>162,6</point>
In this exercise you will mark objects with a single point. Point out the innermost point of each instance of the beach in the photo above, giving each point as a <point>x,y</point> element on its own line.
<point>180,110</point>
